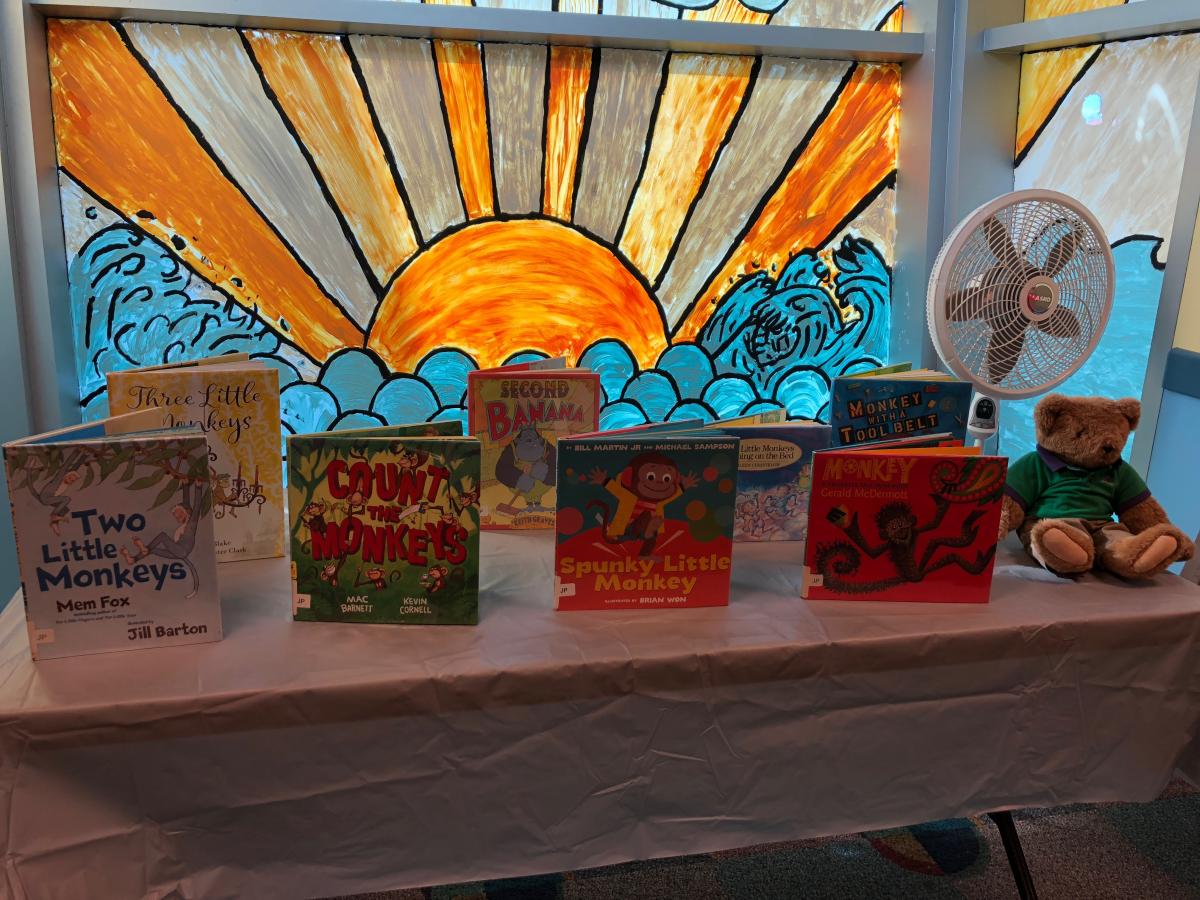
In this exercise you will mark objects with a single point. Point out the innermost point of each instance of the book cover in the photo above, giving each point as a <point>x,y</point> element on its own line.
<point>384,529</point>
<point>645,522</point>
<point>519,418</point>
<point>863,410</point>
<point>774,479</point>
<point>903,525</point>
<point>114,539</point>
<point>237,406</point>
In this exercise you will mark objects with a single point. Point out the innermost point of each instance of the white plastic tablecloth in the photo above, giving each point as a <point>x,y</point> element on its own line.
<point>304,759</point>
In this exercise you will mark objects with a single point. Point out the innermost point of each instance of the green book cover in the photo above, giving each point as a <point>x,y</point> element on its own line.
<point>384,528</point>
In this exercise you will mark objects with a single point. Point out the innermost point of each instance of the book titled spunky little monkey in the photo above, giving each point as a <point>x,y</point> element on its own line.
<point>236,404</point>
<point>519,415</point>
<point>114,536</point>
<point>644,521</point>
<point>385,526</point>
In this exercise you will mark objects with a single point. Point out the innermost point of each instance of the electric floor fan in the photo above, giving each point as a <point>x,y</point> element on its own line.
<point>1018,298</point>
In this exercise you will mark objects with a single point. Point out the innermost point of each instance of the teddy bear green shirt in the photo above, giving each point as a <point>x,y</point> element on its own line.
<point>1045,486</point>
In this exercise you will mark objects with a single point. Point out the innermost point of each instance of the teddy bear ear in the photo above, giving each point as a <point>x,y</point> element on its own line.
<point>1046,413</point>
<point>1131,409</point>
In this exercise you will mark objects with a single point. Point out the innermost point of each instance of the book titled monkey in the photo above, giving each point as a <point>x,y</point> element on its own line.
<point>645,520</point>
<point>905,523</point>
<point>114,531</point>
<point>385,525</point>
<point>235,401</point>
<point>519,414</point>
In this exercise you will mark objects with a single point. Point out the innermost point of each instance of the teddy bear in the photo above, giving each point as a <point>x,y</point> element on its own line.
<point>1061,499</point>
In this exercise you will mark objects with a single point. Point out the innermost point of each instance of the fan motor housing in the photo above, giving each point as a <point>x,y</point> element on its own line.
<point>1039,298</point>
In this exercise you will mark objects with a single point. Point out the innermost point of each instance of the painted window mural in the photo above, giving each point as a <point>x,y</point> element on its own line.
<point>814,13</point>
<point>376,216</point>
<point>1108,124</point>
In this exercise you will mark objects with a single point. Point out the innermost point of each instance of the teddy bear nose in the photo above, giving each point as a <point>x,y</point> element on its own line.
<point>1108,448</point>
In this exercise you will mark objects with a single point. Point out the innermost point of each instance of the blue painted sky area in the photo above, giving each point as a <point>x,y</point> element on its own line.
<point>1118,365</point>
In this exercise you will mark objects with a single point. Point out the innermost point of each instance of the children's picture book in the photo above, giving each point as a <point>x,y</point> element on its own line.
<point>519,415</point>
<point>114,532</point>
<point>774,479</point>
<point>645,521</point>
<point>867,408</point>
<point>384,527</point>
<point>236,404</point>
<point>903,524</point>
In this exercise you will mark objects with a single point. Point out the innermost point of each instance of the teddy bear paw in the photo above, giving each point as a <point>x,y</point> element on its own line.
<point>1161,549</point>
<point>1062,548</point>
<point>1146,553</point>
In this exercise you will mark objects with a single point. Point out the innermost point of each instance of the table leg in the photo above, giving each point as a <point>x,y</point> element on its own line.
<point>1016,856</point>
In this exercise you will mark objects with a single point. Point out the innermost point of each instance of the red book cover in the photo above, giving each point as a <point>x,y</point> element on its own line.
<point>518,416</point>
<point>903,525</point>
<point>645,521</point>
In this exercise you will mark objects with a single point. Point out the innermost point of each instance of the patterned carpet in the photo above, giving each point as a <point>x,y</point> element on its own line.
<point>1124,851</point>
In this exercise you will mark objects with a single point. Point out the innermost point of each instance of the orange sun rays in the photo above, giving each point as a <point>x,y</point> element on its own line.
<point>570,74</point>
<point>177,184</point>
<point>313,79</point>
<point>851,152</point>
<point>460,71</point>
<point>702,96</point>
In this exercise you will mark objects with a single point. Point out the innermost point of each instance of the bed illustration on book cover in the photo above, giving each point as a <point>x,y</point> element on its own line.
<point>904,526</point>
<point>113,531</point>
<point>775,479</point>
<point>519,417</point>
<point>384,529</point>
<point>645,522</point>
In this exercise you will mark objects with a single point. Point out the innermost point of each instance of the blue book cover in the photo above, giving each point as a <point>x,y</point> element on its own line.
<point>865,410</point>
<point>774,479</point>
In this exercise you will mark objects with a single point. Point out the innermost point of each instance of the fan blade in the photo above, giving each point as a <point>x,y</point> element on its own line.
<point>1003,351</point>
<point>1000,244</point>
<point>1062,323</point>
<point>972,302</point>
<point>1062,252</point>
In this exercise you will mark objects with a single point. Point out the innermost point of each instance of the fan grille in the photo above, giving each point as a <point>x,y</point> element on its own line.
<point>1021,293</point>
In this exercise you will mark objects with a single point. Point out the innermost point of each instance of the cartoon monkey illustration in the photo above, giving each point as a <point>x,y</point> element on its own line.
<point>55,492</point>
<point>179,544</point>
<point>527,461</point>
<point>330,571</point>
<point>375,576</point>
<point>313,518</point>
<point>434,579</point>
<point>643,491</point>
<point>899,532</point>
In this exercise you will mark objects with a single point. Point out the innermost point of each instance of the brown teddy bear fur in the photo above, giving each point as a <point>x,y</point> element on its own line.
<point>1089,433</point>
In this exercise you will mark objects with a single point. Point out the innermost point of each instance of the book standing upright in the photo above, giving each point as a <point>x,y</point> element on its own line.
<point>905,523</point>
<point>114,533</point>
<point>385,526</point>
<point>237,405</point>
<point>645,520</point>
<point>519,414</point>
